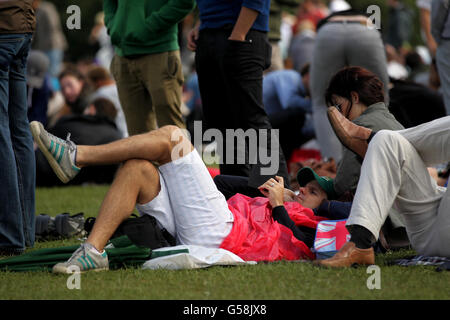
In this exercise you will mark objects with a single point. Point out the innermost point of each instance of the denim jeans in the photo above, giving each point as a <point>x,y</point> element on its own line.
<point>17,162</point>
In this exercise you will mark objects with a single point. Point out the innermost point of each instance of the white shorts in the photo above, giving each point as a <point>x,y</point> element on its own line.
<point>189,206</point>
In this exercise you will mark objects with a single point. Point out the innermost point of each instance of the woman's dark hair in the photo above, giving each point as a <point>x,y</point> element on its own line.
<point>365,83</point>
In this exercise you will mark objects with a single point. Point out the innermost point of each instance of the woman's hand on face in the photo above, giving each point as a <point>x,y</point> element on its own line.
<point>273,189</point>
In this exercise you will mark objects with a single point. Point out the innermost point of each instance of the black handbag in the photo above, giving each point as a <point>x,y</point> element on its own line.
<point>142,231</point>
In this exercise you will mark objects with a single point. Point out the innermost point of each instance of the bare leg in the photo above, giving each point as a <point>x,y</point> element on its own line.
<point>156,145</point>
<point>137,181</point>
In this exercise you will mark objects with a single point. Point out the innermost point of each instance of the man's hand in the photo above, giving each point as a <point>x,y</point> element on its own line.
<point>243,24</point>
<point>192,39</point>
<point>236,36</point>
<point>274,190</point>
<point>289,195</point>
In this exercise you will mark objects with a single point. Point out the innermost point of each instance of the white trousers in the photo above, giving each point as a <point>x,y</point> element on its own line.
<point>394,173</point>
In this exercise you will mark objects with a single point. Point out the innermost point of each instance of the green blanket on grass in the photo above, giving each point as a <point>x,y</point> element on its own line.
<point>124,254</point>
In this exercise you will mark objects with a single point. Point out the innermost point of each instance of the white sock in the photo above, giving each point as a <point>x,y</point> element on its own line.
<point>73,157</point>
<point>94,249</point>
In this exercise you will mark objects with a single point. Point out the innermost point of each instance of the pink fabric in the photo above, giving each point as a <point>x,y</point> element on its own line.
<point>213,172</point>
<point>257,237</point>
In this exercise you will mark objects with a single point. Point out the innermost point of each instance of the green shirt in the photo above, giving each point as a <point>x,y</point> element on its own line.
<point>145,26</point>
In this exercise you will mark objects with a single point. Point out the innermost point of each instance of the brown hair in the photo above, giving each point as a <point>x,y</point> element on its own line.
<point>104,107</point>
<point>72,70</point>
<point>369,87</point>
<point>96,74</point>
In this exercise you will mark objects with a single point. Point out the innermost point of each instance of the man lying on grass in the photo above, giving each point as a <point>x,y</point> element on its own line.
<point>394,172</point>
<point>182,196</point>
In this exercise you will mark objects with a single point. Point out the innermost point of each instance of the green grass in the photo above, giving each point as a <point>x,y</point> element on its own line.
<point>280,280</point>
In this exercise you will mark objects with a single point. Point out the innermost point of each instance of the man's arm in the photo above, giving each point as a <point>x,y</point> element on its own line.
<point>304,234</point>
<point>243,24</point>
<point>334,210</point>
<point>168,15</point>
<point>425,23</point>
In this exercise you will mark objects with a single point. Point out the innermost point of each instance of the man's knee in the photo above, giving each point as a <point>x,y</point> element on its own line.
<point>138,168</point>
<point>178,144</point>
<point>145,178</point>
<point>385,137</point>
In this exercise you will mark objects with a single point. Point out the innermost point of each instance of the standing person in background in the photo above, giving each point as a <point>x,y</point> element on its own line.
<point>147,66</point>
<point>425,25</point>
<point>18,172</point>
<point>232,52</point>
<point>38,86</point>
<point>99,34</point>
<point>440,28</point>
<point>345,38</point>
<point>276,9</point>
<point>49,37</point>
<point>302,45</point>
<point>400,25</point>
<point>310,10</point>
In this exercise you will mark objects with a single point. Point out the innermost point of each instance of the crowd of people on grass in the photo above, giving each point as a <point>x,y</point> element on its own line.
<point>320,75</point>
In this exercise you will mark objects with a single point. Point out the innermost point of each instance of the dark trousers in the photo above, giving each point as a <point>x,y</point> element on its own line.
<point>230,185</point>
<point>290,122</point>
<point>230,77</point>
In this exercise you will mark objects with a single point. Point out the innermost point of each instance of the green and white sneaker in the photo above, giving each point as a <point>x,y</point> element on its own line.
<point>59,153</point>
<point>85,258</point>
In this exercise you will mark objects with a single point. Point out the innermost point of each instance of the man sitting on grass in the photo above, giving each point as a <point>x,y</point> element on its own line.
<point>183,198</point>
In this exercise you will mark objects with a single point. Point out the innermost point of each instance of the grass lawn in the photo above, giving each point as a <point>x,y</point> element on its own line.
<point>274,281</point>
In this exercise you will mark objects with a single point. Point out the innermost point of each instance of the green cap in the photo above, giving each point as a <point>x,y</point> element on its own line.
<point>306,175</point>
